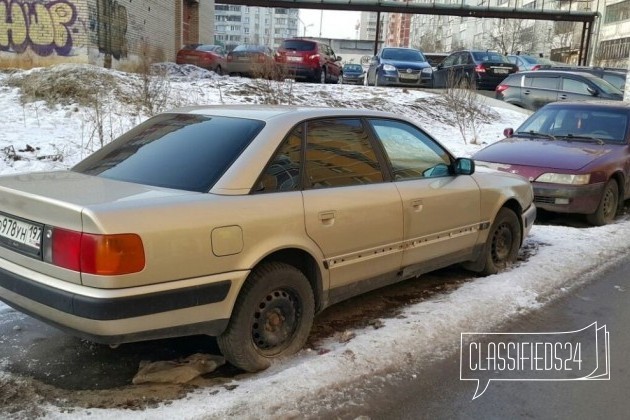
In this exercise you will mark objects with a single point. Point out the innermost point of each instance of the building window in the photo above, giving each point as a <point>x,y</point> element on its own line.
<point>614,49</point>
<point>617,12</point>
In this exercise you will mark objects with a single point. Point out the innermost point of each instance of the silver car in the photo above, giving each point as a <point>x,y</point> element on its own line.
<point>243,222</point>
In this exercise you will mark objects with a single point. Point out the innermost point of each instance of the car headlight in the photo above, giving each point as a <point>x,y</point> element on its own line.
<point>427,70</point>
<point>571,179</point>
<point>389,67</point>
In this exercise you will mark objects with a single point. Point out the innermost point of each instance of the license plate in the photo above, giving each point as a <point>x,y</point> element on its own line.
<point>501,70</point>
<point>408,76</point>
<point>294,59</point>
<point>20,234</point>
<point>243,58</point>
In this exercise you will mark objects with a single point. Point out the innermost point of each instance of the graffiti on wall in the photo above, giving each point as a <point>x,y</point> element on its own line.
<point>111,28</point>
<point>42,26</point>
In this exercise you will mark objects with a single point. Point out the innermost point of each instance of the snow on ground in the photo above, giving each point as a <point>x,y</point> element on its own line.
<point>559,258</point>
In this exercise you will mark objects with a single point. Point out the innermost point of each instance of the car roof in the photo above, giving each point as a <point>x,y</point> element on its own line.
<point>600,103</point>
<point>284,112</point>
<point>557,73</point>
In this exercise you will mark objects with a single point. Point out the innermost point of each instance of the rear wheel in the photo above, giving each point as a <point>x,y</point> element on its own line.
<point>607,208</point>
<point>322,76</point>
<point>272,317</point>
<point>218,70</point>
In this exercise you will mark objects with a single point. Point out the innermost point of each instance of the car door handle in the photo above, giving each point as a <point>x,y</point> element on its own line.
<point>526,92</point>
<point>327,217</point>
<point>562,96</point>
<point>417,205</point>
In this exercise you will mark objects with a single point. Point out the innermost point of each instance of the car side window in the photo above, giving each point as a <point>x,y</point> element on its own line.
<point>545,82</point>
<point>574,86</point>
<point>411,153</point>
<point>339,153</point>
<point>449,61</point>
<point>283,172</point>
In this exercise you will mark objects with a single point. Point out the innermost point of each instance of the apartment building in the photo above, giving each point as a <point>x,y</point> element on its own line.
<point>235,24</point>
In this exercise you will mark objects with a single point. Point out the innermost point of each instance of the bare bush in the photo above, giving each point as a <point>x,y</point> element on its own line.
<point>273,84</point>
<point>153,90</point>
<point>461,98</point>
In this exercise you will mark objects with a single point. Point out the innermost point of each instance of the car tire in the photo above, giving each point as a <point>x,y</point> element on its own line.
<point>322,76</point>
<point>279,296</point>
<point>607,208</point>
<point>376,79</point>
<point>218,70</point>
<point>503,243</point>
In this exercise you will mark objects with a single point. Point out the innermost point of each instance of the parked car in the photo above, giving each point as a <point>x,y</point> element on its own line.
<point>533,89</point>
<point>399,66</point>
<point>526,62</point>
<point>210,57</point>
<point>241,222</point>
<point>576,155</point>
<point>482,69</point>
<point>614,76</point>
<point>352,74</point>
<point>435,58</point>
<point>309,60</point>
<point>252,61</point>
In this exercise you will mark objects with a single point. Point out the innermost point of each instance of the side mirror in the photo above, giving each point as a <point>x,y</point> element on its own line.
<point>439,66</point>
<point>592,91</point>
<point>338,58</point>
<point>464,166</point>
<point>508,132</point>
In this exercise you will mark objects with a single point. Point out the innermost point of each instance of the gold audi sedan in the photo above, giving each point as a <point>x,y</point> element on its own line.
<point>243,222</point>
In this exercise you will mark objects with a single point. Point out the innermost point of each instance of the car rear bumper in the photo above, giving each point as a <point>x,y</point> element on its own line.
<point>301,71</point>
<point>114,316</point>
<point>358,80</point>
<point>581,199</point>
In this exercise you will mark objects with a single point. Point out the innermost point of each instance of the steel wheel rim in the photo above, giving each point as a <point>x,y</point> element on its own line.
<point>608,204</point>
<point>502,243</point>
<point>275,321</point>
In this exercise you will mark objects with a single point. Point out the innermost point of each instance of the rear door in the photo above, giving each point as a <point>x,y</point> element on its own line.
<point>539,90</point>
<point>351,210</point>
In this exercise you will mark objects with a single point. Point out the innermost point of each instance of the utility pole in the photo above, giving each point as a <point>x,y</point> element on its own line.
<point>626,94</point>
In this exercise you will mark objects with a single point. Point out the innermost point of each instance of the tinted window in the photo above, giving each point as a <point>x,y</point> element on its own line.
<point>575,86</point>
<point>450,60</point>
<point>617,81</point>
<point>182,151</point>
<point>283,172</point>
<point>490,56</point>
<point>402,54</point>
<point>353,67</point>
<point>298,45</point>
<point>214,48</point>
<point>412,153</point>
<point>545,82</point>
<point>339,153</point>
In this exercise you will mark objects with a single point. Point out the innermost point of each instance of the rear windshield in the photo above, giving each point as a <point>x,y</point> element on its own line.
<point>182,151</point>
<point>249,48</point>
<point>298,45</point>
<point>494,57</point>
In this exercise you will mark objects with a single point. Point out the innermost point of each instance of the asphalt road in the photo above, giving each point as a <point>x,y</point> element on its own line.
<point>438,393</point>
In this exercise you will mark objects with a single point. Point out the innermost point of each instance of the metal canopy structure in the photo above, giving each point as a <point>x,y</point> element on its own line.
<point>543,10</point>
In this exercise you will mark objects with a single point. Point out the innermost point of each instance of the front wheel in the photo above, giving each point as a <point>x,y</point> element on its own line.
<point>322,76</point>
<point>607,208</point>
<point>272,317</point>
<point>503,243</point>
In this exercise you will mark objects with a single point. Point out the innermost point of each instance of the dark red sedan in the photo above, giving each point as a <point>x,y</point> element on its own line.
<point>576,155</point>
<point>210,57</point>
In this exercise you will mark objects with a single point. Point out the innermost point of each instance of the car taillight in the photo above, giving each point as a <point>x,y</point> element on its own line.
<point>536,67</point>
<point>105,255</point>
<point>479,68</point>
<point>313,57</point>
<point>501,88</point>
